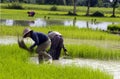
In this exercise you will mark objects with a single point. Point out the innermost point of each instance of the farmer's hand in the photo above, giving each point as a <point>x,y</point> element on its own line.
<point>66,53</point>
<point>30,50</point>
<point>65,50</point>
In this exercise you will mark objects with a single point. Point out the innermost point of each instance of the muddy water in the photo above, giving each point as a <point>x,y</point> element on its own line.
<point>8,40</point>
<point>111,67</point>
<point>12,40</point>
<point>98,43</point>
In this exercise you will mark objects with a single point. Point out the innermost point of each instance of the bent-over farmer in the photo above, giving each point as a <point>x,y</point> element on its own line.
<point>56,44</point>
<point>42,42</point>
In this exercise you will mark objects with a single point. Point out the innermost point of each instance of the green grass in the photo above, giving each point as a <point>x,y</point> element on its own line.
<point>14,65</point>
<point>65,8</point>
<point>93,52</point>
<point>67,32</point>
<point>43,10</point>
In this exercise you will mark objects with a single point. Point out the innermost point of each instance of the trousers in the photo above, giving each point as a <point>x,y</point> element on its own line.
<point>41,50</point>
<point>56,46</point>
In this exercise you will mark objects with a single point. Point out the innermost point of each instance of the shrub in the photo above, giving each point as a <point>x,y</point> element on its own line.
<point>114,27</point>
<point>71,13</point>
<point>119,7</point>
<point>98,14</point>
<point>53,8</point>
<point>14,5</point>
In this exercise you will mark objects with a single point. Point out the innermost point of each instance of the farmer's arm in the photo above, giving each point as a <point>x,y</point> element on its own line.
<point>32,46</point>
<point>65,50</point>
<point>36,40</point>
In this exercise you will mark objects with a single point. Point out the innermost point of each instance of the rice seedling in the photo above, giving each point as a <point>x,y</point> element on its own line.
<point>67,32</point>
<point>93,52</point>
<point>22,15</point>
<point>63,8</point>
<point>14,65</point>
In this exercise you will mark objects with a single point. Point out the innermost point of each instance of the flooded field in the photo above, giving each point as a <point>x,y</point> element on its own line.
<point>40,22</point>
<point>111,67</point>
<point>98,43</point>
<point>8,40</point>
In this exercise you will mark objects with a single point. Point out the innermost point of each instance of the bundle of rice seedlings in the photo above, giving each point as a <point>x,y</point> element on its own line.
<point>21,43</point>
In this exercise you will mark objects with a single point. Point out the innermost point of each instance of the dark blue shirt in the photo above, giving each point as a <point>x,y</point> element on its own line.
<point>38,38</point>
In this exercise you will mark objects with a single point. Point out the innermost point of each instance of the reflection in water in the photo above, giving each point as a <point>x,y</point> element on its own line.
<point>21,22</point>
<point>48,22</point>
<point>9,22</point>
<point>38,22</point>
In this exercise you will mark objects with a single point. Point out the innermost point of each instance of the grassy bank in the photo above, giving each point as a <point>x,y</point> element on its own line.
<point>68,32</point>
<point>14,65</point>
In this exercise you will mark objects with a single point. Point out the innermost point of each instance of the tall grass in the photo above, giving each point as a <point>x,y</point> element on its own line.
<point>93,52</point>
<point>67,32</point>
<point>14,65</point>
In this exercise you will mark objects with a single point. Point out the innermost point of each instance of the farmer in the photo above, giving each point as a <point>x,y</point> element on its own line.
<point>31,13</point>
<point>56,44</point>
<point>42,42</point>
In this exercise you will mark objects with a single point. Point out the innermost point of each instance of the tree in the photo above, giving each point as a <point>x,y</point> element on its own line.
<point>1,1</point>
<point>69,2</point>
<point>74,8</point>
<point>114,7</point>
<point>43,1</point>
<point>88,8</point>
<point>64,2</point>
<point>100,3</point>
<point>93,3</point>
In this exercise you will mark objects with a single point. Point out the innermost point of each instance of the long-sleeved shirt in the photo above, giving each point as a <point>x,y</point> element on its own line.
<point>53,33</point>
<point>38,38</point>
<point>56,37</point>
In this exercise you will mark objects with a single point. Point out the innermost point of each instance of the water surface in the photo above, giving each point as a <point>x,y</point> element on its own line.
<point>40,22</point>
<point>111,67</point>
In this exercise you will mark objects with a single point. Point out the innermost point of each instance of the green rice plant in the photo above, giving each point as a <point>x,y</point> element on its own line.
<point>93,52</point>
<point>14,65</point>
<point>65,8</point>
<point>66,31</point>
<point>22,14</point>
